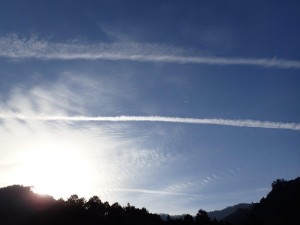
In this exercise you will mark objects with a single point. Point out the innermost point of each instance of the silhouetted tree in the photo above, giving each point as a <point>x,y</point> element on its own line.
<point>202,218</point>
<point>188,219</point>
<point>74,200</point>
<point>278,183</point>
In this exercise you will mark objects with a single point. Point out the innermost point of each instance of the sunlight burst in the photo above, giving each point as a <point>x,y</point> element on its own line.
<point>57,169</point>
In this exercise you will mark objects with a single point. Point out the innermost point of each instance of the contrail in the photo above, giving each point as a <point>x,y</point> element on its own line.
<point>264,62</point>
<point>16,48</point>
<point>208,121</point>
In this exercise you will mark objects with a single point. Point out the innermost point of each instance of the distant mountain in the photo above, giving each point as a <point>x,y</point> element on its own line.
<point>221,214</point>
<point>281,206</point>
<point>217,214</point>
<point>239,217</point>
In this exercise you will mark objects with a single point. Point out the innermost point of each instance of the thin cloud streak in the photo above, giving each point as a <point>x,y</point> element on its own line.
<point>222,122</point>
<point>33,48</point>
<point>146,191</point>
<point>264,62</point>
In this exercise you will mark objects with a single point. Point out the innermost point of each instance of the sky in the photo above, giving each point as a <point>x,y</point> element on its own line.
<point>171,105</point>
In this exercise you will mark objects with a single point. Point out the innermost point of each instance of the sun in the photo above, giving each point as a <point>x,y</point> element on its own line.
<point>57,169</point>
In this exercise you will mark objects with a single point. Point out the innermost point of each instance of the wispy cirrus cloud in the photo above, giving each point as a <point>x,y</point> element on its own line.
<point>16,48</point>
<point>222,122</point>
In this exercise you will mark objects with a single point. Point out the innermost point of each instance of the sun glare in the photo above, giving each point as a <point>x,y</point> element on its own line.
<point>57,169</point>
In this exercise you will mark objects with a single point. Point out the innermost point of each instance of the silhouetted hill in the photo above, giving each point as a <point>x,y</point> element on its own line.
<point>17,203</point>
<point>221,214</point>
<point>281,206</point>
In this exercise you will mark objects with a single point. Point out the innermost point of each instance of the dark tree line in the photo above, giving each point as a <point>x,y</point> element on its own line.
<point>78,211</point>
<point>20,206</point>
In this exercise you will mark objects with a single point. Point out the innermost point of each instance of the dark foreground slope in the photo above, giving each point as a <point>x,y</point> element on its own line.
<point>20,206</point>
<point>281,206</point>
<point>18,203</point>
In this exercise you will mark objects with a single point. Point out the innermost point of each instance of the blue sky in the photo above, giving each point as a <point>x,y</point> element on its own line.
<point>225,74</point>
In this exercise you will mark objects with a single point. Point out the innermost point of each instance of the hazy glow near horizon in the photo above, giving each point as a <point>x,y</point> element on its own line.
<point>52,164</point>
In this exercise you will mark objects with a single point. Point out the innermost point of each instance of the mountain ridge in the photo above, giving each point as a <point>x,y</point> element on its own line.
<point>221,214</point>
